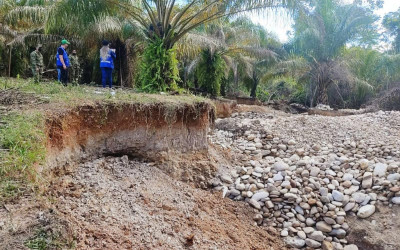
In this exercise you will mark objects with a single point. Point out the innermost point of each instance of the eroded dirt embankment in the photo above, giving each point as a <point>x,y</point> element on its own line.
<point>96,197</point>
<point>126,129</point>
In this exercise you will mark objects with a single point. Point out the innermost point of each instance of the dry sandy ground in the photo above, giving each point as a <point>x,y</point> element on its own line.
<point>115,203</point>
<point>379,232</point>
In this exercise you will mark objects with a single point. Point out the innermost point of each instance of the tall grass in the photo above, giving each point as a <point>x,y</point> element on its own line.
<point>23,147</point>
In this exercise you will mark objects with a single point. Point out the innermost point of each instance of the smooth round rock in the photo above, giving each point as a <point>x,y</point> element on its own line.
<point>317,235</point>
<point>366,211</point>
<point>351,247</point>
<point>324,227</point>
<point>312,243</point>
<point>396,200</point>
<point>260,195</point>
<point>295,242</point>
<point>302,235</point>
<point>337,196</point>
<point>280,166</point>
<point>255,204</point>
<point>326,245</point>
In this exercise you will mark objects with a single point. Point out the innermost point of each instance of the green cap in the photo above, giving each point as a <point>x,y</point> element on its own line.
<point>64,42</point>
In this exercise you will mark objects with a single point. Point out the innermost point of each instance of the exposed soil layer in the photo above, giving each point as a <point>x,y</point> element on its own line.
<point>132,129</point>
<point>225,107</point>
<point>336,112</point>
<point>247,101</point>
<point>96,199</point>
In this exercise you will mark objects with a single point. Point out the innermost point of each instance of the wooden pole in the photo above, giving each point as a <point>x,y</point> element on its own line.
<point>120,64</point>
<point>9,62</point>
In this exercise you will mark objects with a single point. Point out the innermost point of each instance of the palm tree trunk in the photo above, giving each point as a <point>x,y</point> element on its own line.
<point>235,90</point>
<point>185,74</point>
<point>9,62</point>
<point>322,94</point>
<point>253,93</point>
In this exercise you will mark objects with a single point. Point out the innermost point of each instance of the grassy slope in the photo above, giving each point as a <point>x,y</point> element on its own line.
<point>21,133</point>
<point>54,92</point>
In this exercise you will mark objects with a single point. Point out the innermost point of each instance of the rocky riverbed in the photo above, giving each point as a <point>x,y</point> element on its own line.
<point>305,175</point>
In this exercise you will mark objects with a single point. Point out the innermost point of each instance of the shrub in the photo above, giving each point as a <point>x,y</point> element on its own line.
<point>210,72</point>
<point>158,69</point>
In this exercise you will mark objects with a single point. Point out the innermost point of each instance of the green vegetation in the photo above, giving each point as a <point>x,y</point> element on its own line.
<point>210,72</point>
<point>161,46</point>
<point>159,69</point>
<point>392,23</point>
<point>54,92</point>
<point>43,240</point>
<point>22,145</point>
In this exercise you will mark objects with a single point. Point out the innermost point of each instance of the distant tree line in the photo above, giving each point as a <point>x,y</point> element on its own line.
<point>334,56</point>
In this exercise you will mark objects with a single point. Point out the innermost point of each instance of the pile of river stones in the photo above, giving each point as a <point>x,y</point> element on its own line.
<point>303,174</point>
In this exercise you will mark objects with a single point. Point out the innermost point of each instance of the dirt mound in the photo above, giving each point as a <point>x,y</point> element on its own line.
<point>224,107</point>
<point>248,101</point>
<point>117,203</point>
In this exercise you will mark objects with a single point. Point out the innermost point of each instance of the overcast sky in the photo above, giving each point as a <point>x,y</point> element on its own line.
<point>273,21</point>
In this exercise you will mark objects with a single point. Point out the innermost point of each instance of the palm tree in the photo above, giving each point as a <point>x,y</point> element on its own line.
<point>18,30</point>
<point>86,24</point>
<point>165,22</point>
<point>284,78</point>
<point>231,47</point>
<point>392,23</point>
<point>321,33</point>
<point>168,22</point>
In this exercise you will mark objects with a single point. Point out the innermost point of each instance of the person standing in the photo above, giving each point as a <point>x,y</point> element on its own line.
<point>75,67</point>
<point>107,57</point>
<point>37,63</point>
<point>63,61</point>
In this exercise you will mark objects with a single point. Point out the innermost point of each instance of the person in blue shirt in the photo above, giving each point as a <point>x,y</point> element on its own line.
<point>107,57</point>
<point>63,62</point>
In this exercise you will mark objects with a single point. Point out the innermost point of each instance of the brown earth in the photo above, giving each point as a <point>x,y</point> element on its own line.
<point>248,101</point>
<point>117,203</point>
<point>225,107</point>
<point>336,112</point>
<point>95,199</point>
<point>132,129</point>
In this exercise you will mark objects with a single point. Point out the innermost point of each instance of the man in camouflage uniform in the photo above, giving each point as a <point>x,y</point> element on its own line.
<point>37,63</point>
<point>75,67</point>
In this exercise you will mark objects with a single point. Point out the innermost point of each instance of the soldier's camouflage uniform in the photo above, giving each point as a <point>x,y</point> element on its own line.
<point>75,69</point>
<point>37,65</point>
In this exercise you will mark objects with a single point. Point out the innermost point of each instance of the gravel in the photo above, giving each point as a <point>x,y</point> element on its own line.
<point>313,171</point>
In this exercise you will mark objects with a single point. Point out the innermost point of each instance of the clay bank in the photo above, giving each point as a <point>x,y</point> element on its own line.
<point>139,130</point>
